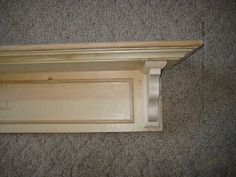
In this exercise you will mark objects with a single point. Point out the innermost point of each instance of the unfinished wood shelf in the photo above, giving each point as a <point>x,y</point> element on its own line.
<point>87,87</point>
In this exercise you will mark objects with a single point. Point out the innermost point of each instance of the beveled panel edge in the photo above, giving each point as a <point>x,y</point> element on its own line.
<point>61,81</point>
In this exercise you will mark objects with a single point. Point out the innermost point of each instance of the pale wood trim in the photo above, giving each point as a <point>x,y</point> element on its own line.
<point>153,110</point>
<point>61,81</point>
<point>96,62</point>
<point>95,52</point>
<point>105,45</point>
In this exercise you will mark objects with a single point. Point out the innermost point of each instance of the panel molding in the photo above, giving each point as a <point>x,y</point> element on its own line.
<point>137,63</point>
<point>66,121</point>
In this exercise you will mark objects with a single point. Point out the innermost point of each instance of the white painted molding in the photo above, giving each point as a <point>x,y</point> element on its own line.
<point>92,87</point>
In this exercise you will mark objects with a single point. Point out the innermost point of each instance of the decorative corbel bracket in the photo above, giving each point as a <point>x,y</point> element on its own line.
<point>154,111</point>
<point>87,87</point>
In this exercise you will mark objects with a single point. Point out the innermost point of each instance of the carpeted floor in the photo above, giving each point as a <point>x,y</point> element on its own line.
<point>199,97</point>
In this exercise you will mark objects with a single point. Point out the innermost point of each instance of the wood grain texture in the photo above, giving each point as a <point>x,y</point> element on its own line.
<point>94,101</point>
<point>116,86</point>
<point>82,101</point>
<point>154,109</point>
<point>199,95</point>
<point>105,45</point>
<point>95,52</point>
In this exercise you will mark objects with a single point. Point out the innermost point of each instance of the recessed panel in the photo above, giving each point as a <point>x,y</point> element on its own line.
<point>67,101</point>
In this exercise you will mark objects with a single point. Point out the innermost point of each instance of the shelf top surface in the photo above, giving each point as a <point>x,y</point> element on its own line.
<point>104,45</point>
<point>98,52</point>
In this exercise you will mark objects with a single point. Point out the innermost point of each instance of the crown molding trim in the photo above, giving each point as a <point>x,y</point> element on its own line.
<point>87,87</point>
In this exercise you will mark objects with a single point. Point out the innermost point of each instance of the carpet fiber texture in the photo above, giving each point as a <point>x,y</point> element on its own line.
<point>199,97</point>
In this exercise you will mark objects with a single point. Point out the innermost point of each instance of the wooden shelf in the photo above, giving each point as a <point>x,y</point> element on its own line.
<point>87,87</point>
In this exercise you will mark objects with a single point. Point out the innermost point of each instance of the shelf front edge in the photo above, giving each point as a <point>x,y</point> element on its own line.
<point>97,52</point>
